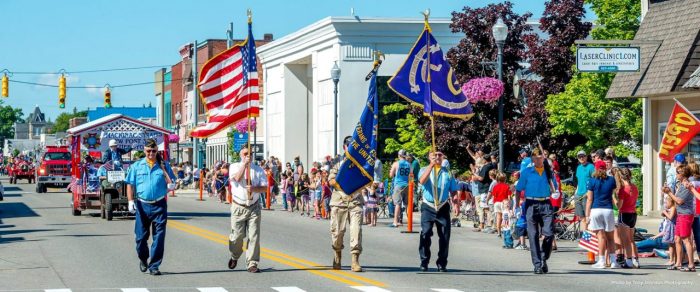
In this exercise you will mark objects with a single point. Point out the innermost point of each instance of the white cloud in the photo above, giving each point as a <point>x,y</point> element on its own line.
<point>52,79</point>
<point>93,89</point>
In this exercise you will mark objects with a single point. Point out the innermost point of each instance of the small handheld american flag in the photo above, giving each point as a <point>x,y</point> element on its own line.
<point>589,242</point>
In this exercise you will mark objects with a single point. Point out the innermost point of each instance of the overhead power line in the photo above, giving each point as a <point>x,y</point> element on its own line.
<point>93,86</point>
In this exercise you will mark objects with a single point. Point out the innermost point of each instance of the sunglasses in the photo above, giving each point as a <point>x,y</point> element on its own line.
<point>150,151</point>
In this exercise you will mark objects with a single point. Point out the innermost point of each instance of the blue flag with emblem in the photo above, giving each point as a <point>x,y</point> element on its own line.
<point>357,170</point>
<point>427,80</point>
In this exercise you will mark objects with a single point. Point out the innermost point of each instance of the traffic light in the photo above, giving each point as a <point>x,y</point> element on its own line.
<point>5,86</point>
<point>108,98</point>
<point>62,91</point>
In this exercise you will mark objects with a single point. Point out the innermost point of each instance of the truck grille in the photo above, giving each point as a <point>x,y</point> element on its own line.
<point>57,169</point>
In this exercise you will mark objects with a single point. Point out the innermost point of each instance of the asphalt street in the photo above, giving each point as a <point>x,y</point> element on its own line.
<point>44,247</point>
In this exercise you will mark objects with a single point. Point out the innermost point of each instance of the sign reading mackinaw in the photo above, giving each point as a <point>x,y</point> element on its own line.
<point>608,59</point>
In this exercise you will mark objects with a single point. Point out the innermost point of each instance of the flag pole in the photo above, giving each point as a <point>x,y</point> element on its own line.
<point>426,15</point>
<point>250,154</point>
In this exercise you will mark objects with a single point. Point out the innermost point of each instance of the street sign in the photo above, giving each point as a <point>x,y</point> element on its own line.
<point>239,140</point>
<point>608,59</point>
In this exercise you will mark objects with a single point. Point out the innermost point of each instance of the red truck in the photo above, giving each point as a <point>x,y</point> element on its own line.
<point>54,169</point>
<point>21,169</point>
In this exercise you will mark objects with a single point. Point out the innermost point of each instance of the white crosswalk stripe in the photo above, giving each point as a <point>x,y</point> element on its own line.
<point>369,289</point>
<point>288,289</point>
<point>445,290</point>
<point>212,289</point>
<point>134,290</point>
<point>57,290</point>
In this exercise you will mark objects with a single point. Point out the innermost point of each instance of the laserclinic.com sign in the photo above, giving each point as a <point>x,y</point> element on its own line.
<point>608,59</point>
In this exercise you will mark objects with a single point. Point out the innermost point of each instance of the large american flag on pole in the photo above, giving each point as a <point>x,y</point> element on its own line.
<point>228,85</point>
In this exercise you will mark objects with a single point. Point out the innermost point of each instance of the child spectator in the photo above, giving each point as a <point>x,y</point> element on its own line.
<point>303,190</point>
<point>491,223</point>
<point>500,193</point>
<point>221,183</point>
<point>519,215</point>
<point>291,196</point>
<point>285,199</point>
<point>668,228</point>
<point>507,217</point>
<point>326,189</point>
<point>371,205</point>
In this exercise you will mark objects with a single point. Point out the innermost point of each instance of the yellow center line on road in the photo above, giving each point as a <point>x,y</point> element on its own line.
<point>279,257</point>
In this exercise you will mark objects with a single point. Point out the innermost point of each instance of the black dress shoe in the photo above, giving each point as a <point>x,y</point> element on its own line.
<point>253,269</point>
<point>442,269</point>
<point>423,268</point>
<point>545,269</point>
<point>538,271</point>
<point>232,264</point>
<point>154,272</point>
<point>142,266</point>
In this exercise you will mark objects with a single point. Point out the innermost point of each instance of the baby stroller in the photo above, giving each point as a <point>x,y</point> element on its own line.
<point>469,213</point>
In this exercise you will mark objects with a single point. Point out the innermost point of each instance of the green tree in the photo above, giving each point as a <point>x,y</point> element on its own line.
<point>62,121</point>
<point>410,134</point>
<point>582,109</point>
<point>8,116</point>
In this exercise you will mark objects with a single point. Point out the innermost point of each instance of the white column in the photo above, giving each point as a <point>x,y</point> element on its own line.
<point>648,203</point>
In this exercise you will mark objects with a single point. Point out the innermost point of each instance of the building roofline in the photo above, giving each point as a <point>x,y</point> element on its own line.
<point>330,20</point>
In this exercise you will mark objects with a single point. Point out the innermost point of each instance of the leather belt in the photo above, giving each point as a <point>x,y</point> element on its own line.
<point>537,199</point>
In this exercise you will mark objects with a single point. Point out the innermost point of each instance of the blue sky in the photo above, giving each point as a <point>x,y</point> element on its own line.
<point>47,36</point>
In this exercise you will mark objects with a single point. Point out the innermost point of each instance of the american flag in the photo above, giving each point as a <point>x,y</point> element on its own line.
<point>589,242</point>
<point>228,86</point>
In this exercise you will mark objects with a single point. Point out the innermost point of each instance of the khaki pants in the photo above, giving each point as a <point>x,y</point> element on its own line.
<point>245,224</point>
<point>344,210</point>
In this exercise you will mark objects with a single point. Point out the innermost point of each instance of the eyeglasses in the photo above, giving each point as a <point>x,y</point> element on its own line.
<point>150,150</point>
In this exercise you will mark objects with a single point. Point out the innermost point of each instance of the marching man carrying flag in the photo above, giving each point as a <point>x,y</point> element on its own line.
<point>426,80</point>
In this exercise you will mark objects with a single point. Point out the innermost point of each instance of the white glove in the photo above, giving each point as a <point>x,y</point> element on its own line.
<point>132,207</point>
<point>556,195</point>
<point>171,187</point>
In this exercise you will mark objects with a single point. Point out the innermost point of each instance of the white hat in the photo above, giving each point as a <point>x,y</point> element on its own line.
<point>112,143</point>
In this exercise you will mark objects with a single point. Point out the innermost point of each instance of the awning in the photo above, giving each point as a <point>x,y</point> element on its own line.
<point>676,24</point>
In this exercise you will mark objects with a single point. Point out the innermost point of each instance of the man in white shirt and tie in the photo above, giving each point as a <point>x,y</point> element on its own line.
<point>247,183</point>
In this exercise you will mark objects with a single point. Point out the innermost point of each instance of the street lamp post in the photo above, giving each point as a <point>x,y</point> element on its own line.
<point>500,32</point>
<point>178,118</point>
<point>335,75</point>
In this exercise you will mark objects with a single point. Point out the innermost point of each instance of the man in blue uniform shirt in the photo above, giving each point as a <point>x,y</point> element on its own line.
<point>148,181</point>
<point>539,212</point>
<point>437,183</point>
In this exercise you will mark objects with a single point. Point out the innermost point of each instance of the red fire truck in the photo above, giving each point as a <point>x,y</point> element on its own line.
<point>54,169</point>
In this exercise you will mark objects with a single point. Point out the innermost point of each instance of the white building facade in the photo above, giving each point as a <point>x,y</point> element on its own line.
<point>298,118</point>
